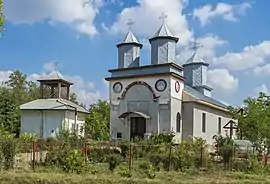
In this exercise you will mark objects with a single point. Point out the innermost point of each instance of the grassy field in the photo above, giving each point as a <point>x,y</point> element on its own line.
<point>106,178</point>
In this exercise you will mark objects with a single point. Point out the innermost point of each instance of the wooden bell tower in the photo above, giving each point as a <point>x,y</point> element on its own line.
<point>54,86</point>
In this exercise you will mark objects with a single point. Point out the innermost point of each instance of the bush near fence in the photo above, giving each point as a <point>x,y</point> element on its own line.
<point>71,154</point>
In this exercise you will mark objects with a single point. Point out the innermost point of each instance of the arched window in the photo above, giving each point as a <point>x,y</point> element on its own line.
<point>178,122</point>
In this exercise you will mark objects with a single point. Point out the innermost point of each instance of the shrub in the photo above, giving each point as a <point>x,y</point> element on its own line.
<point>8,150</point>
<point>124,146</point>
<point>114,160</point>
<point>74,161</point>
<point>161,138</point>
<point>144,166</point>
<point>126,173</point>
<point>241,165</point>
<point>98,155</point>
<point>69,160</point>
<point>225,148</point>
<point>155,160</point>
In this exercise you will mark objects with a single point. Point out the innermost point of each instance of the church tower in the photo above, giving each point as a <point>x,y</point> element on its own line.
<point>163,44</point>
<point>129,50</point>
<point>195,72</point>
<point>54,86</point>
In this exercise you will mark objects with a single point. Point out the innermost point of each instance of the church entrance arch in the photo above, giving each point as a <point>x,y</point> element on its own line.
<point>137,127</point>
<point>137,108</point>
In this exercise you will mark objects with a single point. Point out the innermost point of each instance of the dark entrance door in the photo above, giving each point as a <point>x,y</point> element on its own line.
<point>137,127</point>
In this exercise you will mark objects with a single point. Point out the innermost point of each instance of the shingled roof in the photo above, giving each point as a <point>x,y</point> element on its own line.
<point>52,104</point>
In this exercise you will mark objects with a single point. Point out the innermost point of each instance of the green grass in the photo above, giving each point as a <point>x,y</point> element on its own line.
<point>107,177</point>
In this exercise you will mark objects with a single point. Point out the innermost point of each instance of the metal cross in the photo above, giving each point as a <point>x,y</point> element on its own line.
<point>195,45</point>
<point>163,16</point>
<point>55,63</point>
<point>130,23</point>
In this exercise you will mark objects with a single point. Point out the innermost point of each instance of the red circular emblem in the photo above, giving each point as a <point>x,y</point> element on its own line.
<point>177,86</point>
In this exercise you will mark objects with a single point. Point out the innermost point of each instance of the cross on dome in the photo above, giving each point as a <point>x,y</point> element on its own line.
<point>130,23</point>
<point>195,45</point>
<point>163,17</point>
<point>55,65</point>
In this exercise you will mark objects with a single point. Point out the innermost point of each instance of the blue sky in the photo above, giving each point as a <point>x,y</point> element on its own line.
<point>82,37</point>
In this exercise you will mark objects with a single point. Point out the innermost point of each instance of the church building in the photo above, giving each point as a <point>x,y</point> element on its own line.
<point>162,96</point>
<point>46,116</point>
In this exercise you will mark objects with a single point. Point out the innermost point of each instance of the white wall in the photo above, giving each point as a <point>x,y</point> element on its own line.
<point>212,116</point>
<point>176,107</point>
<point>70,118</point>
<point>123,126</point>
<point>31,121</point>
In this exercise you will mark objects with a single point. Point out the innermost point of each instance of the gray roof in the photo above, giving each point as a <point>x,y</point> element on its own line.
<point>163,31</point>
<point>52,104</point>
<point>54,76</point>
<point>130,38</point>
<point>195,59</point>
<point>202,97</point>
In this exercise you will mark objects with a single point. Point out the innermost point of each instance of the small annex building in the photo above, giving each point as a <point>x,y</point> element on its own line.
<point>46,116</point>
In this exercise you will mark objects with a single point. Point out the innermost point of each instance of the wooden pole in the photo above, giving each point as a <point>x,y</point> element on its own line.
<point>130,155</point>
<point>170,157</point>
<point>34,155</point>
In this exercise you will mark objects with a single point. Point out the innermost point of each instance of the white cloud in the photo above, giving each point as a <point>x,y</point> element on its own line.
<point>209,44</point>
<point>262,70</point>
<point>249,57</point>
<point>226,11</point>
<point>229,82</point>
<point>4,75</point>
<point>79,14</point>
<point>87,94</point>
<point>262,88</point>
<point>145,16</point>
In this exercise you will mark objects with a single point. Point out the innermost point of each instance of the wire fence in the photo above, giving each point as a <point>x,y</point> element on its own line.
<point>161,156</point>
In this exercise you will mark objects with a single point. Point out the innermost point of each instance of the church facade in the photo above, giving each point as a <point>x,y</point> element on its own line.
<point>162,96</point>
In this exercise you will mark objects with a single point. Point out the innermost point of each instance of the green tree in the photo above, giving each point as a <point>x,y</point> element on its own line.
<point>74,98</point>
<point>9,112</point>
<point>15,92</point>
<point>97,122</point>
<point>2,17</point>
<point>255,122</point>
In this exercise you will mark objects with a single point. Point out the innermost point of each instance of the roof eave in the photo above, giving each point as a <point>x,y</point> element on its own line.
<point>164,37</point>
<point>129,43</point>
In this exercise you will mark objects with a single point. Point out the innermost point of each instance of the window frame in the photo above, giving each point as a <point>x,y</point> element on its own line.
<point>178,122</point>
<point>204,122</point>
<point>219,125</point>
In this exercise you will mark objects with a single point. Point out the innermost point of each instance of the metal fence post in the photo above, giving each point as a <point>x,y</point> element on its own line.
<point>130,155</point>
<point>170,157</point>
<point>34,155</point>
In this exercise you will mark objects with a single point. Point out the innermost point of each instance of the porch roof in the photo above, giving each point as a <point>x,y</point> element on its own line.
<point>141,114</point>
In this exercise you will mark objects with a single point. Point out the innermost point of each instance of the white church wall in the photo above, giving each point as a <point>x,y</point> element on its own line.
<point>31,122</point>
<point>164,96</point>
<point>187,120</point>
<point>52,121</point>
<point>176,106</point>
<point>116,124</point>
<point>70,122</point>
<point>174,93</point>
<point>212,116</point>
